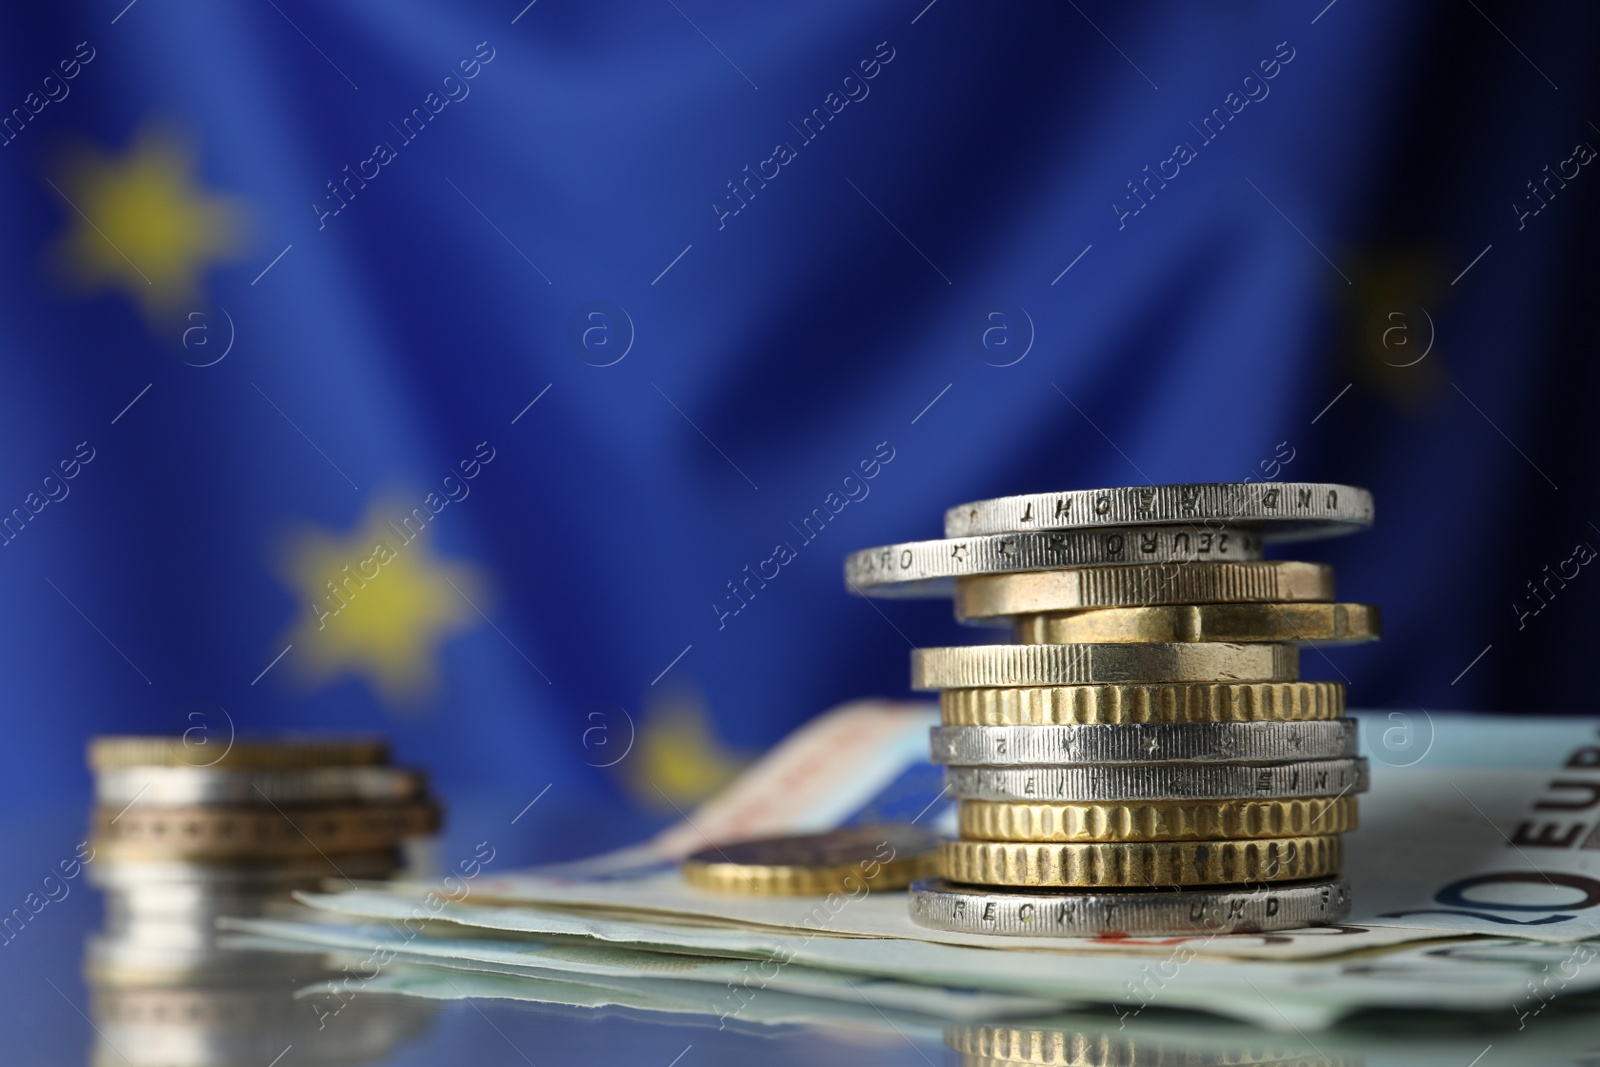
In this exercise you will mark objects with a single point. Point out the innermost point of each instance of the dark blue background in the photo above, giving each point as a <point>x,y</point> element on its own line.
<point>778,350</point>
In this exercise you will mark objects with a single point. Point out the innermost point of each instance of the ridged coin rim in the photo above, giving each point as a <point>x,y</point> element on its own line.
<point>1137,703</point>
<point>1160,781</point>
<point>1188,742</point>
<point>1004,666</point>
<point>1141,863</point>
<point>1206,820</point>
<point>1002,596</point>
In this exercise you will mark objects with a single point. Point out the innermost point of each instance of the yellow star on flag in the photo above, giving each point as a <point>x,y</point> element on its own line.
<point>379,602</point>
<point>679,760</point>
<point>141,222</point>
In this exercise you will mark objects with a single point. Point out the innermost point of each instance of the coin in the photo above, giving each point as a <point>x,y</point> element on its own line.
<point>992,596</point>
<point>260,831</point>
<point>1145,863</point>
<point>1194,742</point>
<point>193,903</point>
<point>970,666</point>
<point>1286,511</point>
<point>856,860</point>
<point>925,568</point>
<point>1160,781</point>
<point>188,786</point>
<point>112,752</point>
<point>1331,624</point>
<point>1185,702</point>
<point>1204,820</point>
<point>246,877</point>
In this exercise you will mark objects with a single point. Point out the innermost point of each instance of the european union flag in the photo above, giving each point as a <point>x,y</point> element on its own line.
<point>512,377</point>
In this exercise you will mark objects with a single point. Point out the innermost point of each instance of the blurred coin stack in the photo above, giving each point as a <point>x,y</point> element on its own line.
<point>185,833</point>
<point>1143,758</point>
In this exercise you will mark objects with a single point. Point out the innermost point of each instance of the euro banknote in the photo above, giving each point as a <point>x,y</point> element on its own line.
<point>1474,824</point>
<point>1514,976</point>
<point>1475,866</point>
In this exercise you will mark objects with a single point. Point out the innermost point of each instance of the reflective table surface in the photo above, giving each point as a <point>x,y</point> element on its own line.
<point>84,983</point>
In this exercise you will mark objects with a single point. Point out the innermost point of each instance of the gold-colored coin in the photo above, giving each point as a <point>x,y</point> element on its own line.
<point>1174,820</point>
<point>992,596</point>
<point>853,861</point>
<point>1152,863</point>
<point>258,831</point>
<point>1171,702</point>
<point>984,666</point>
<point>213,748</point>
<point>1237,623</point>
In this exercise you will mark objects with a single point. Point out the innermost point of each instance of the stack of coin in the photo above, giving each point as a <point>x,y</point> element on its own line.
<point>1143,758</point>
<point>183,835</point>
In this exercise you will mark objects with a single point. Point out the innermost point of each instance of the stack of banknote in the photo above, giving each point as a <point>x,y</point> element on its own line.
<point>1469,896</point>
<point>1147,730</point>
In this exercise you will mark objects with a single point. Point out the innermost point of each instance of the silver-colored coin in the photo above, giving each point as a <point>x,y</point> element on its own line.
<point>989,666</point>
<point>1285,511</point>
<point>186,786</point>
<point>1135,913</point>
<point>201,876</point>
<point>175,933</point>
<point>130,909</point>
<point>1201,742</point>
<point>1160,781</point>
<point>927,568</point>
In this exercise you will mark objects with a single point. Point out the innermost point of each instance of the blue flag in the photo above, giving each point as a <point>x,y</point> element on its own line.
<point>513,377</point>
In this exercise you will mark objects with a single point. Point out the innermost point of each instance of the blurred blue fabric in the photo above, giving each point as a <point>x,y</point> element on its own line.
<point>739,256</point>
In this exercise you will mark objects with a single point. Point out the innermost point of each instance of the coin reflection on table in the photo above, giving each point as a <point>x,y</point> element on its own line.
<point>193,837</point>
<point>992,1045</point>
